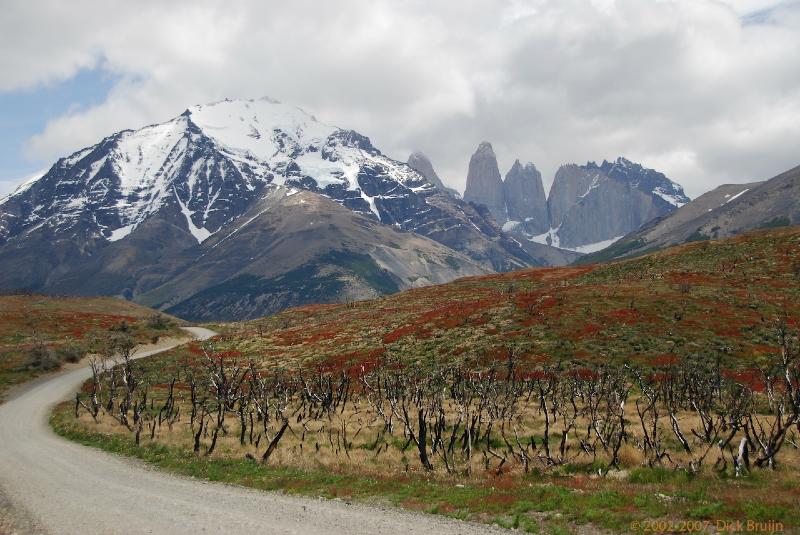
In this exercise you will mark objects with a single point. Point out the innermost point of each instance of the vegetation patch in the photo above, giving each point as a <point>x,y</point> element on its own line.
<point>322,280</point>
<point>777,222</point>
<point>41,333</point>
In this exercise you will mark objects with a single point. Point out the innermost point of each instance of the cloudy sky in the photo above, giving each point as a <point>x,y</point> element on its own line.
<point>707,91</point>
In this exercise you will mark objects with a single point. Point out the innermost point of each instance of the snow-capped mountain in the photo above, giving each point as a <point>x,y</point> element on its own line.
<point>167,193</point>
<point>208,160</point>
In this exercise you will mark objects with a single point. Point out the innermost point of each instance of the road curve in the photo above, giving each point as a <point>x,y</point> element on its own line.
<point>63,487</point>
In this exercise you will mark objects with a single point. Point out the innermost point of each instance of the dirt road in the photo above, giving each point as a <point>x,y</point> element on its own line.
<point>56,486</point>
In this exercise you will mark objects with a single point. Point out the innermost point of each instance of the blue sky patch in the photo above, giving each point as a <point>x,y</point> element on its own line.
<point>26,113</point>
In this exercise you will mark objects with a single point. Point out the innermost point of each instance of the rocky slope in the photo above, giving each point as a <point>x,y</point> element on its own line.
<point>726,211</point>
<point>140,208</point>
<point>256,266</point>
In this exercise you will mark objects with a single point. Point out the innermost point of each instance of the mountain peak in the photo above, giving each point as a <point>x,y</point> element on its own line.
<point>205,168</point>
<point>420,163</point>
<point>484,147</point>
<point>484,185</point>
<point>581,195</point>
<point>526,202</point>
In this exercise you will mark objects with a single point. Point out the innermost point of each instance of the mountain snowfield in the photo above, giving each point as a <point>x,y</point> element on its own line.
<point>143,207</point>
<point>551,238</point>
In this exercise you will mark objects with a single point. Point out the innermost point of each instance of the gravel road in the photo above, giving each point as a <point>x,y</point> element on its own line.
<point>56,486</point>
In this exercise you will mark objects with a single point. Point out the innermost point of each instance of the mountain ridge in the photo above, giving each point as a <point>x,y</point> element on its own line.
<point>587,208</point>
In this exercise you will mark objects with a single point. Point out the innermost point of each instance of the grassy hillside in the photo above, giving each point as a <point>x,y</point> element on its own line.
<point>716,299</point>
<point>39,333</point>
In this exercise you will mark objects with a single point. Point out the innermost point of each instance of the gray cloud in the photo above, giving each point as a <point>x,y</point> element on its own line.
<point>707,91</point>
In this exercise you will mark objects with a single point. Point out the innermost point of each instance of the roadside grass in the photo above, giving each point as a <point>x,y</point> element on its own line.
<point>568,500</point>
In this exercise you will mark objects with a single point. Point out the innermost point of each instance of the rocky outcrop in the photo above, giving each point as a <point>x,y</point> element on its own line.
<point>422,165</point>
<point>484,185</point>
<point>589,207</point>
<point>593,204</point>
<point>526,202</point>
<point>726,211</point>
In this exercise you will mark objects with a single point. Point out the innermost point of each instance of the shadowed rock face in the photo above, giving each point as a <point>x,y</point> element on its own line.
<point>726,211</point>
<point>422,165</point>
<point>571,181</point>
<point>525,199</point>
<point>592,203</point>
<point>484,185</point>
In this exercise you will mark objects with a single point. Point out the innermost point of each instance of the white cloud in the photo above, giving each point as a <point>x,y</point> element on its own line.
<point>696,88</point>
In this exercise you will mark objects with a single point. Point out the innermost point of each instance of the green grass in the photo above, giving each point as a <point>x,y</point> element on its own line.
<point>697,236</point>
<point>610,253</point>
<point>310,283</point>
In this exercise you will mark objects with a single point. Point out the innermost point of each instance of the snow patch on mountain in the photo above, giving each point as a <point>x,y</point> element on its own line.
<point>596,181</point>
<point>121,232</point>
<point>734,197</point>
<point>594,247</point>
<point>200,234</point>
<point>547,238</point>
<point>675,199</point>
<point>551,238</point>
